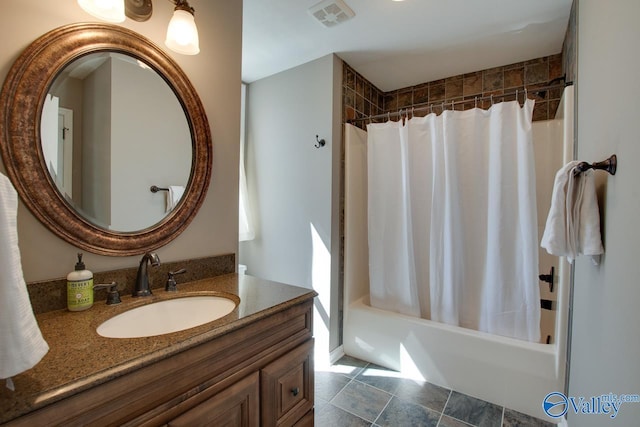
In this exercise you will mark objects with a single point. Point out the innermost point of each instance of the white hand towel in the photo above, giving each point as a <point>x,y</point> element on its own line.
<point>21,342</point>
<point>555,238</point>
<point>573,222</point>
<point>589,236</point>
<point>173,196</point>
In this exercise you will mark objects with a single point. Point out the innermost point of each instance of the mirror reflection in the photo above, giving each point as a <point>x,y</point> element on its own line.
<point>111,128</point>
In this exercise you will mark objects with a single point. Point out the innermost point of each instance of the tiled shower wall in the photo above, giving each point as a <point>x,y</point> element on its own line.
<point>362,99</point>
<point>569,47</point>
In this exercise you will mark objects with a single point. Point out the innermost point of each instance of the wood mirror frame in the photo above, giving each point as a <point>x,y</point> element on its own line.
<point>21,101</point>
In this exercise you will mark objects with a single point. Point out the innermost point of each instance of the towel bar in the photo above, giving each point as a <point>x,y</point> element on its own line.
<point>155,189</point>
<point>610,165</point>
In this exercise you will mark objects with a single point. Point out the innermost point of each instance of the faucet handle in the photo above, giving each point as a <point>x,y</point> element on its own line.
<point>113,296</point>
<point>171,285</point>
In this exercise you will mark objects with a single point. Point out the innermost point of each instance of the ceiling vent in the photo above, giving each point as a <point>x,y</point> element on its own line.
<point>331,12</point>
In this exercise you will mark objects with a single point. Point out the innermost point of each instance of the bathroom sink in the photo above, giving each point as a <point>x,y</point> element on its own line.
<point>164,317</point>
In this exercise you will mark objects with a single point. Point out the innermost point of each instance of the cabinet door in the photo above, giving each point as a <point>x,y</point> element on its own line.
<point>235,406</point>
<point>286,387</point>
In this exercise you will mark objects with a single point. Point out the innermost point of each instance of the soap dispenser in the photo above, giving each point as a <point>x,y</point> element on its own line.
<point>79,287</point>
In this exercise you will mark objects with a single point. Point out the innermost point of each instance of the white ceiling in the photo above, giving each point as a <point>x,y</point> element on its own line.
<point>398,44</point>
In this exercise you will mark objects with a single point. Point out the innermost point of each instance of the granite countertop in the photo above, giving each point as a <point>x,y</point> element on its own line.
<point>79,358</point>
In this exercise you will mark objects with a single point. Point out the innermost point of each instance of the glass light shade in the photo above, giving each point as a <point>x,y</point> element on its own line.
<point>182,34</point>
<point>107,10</point>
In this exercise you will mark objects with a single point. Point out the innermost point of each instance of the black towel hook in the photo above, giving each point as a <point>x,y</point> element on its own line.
<point>320,143</point>
<point>610,165</point>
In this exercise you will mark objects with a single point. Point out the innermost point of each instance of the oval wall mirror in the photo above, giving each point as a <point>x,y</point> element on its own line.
<point>110,129</point>
<point>94,115</point>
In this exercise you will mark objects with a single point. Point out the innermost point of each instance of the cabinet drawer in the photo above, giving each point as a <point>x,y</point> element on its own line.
<point>306,421</point>
<point>236,406</point>
<point>286,387</point>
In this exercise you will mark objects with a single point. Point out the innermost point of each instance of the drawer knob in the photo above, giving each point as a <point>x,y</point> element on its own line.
<point>295,391</point>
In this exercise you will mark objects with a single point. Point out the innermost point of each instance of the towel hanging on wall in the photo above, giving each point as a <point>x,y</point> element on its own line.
<point>21,343</point>
<point>573,222</point>
<point>173,196</point>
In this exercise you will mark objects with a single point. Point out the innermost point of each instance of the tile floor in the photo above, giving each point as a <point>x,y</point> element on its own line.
<point>356,393</point>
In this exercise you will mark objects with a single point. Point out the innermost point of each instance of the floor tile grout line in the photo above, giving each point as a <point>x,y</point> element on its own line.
<point>385,407</point>
<point>502,409</point>
<point>372,386</point>
<point>444,407</point>
<point>420,404</point>
<point>462,421</point>
<point>394,394</point>
<point>375,388</point>
<point>340,391</point>
<point>330,402</point>
<point>349,412</point>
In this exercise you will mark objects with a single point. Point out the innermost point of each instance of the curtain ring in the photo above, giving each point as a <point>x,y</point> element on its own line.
<point>526,95</point>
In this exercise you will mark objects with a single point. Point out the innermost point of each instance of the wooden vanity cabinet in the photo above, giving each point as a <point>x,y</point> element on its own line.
<point>258,375</point>
<point>237,405</point>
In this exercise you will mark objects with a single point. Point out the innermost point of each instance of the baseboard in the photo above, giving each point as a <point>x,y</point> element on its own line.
<point>336,354</point>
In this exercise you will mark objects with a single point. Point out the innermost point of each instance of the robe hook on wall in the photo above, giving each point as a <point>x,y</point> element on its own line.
<point>320,142</point>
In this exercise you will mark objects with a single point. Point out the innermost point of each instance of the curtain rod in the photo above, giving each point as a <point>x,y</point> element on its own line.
<point>444,104</point>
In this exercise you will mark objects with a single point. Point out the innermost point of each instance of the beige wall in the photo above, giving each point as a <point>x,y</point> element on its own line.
<point>294,186</point>
<point>605,349</point>
<point>215,73</point>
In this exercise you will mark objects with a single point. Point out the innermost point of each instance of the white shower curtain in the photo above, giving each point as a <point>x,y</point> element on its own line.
<point>452,219</point>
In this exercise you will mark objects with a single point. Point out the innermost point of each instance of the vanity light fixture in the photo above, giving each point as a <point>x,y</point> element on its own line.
<point>182,33</point>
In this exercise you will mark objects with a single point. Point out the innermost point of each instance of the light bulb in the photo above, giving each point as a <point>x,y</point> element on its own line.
<point>182,33</point>
<point>107,10</point>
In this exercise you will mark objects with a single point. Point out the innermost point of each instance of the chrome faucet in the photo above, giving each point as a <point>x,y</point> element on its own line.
<point>142,280</point>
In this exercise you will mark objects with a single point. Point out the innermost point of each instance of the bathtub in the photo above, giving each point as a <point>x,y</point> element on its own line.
<point>504,371</point>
